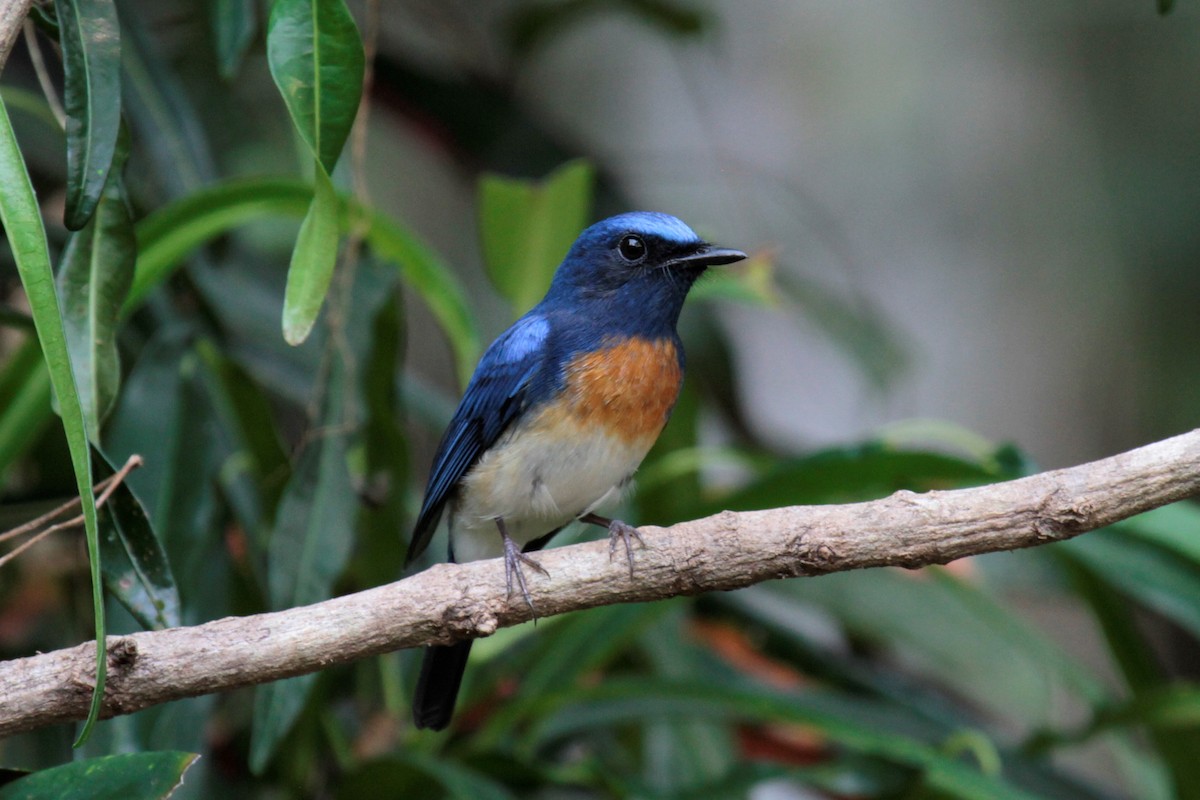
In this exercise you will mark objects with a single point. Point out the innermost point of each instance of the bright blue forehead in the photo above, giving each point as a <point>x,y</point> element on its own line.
<point>649,223</point>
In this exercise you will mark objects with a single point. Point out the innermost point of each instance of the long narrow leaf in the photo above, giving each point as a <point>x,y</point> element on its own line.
<point>234,24</point>
<point>313,260</point>
<point>91,44</point>
<point>95,275</point>
<point>27,238</point>
<point>169,234</point>
<point>308,551</point>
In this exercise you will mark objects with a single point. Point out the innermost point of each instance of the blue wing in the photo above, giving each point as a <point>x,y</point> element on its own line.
<point>497,393</point>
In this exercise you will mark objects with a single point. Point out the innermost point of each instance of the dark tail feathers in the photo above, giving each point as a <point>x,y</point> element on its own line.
<point>442,670</point>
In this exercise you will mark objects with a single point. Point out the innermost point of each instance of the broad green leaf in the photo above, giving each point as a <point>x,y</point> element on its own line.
<point>130,776</point>
<point>308,552</point>
<point>22,222</point>
<point>91,43</point>
<point>528,226</point>
<point>135,566</point>
<point>169,234</point>
<point>93,279</point>
<point>313,260</point>
<point>316,59</point>
<point>234,23</point>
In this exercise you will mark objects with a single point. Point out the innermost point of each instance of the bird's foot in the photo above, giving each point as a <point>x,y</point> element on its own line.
<point>618,531</point>
<point>513,559</point>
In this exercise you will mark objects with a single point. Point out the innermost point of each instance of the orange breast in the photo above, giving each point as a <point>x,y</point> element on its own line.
<point>627,387</point>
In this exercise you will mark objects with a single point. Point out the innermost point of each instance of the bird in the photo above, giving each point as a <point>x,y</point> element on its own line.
<point>559,413</point>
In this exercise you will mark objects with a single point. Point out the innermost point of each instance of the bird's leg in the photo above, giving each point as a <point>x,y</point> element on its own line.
<point>618,531</point>
<point>513,558</point>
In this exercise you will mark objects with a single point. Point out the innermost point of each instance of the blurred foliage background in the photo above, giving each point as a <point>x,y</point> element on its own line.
<point>974,251</point>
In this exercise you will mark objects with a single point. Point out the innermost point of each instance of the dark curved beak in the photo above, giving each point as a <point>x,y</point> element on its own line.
<point>709,256</point>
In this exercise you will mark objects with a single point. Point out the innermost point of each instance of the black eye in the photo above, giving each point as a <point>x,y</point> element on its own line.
<point>632,248</point>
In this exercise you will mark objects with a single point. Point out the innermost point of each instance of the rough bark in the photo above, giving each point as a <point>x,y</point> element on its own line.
<point>722,552</point>
<point>12,15</point>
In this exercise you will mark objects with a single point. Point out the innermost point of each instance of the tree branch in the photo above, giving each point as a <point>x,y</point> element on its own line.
<point>726,551</point>
<point>12,15</point>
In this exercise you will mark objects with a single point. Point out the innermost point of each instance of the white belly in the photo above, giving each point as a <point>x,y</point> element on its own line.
<point>538,479</point>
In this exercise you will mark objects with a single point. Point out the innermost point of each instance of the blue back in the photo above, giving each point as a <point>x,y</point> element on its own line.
<point>596,296</point>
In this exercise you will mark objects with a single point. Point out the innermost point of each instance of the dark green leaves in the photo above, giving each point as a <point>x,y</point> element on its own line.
<point>527,227</point>
<point>91,45</point>
<point>135,567</point>
<point>23,225</point>
<point>308,551</point>
<point>171,233</point>
<point>133,776</point>
<point>316,58</point>
<point>95,276</point>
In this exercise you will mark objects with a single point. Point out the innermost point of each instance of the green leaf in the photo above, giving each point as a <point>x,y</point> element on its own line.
<point>24,402</point>
<point>751,282</point>
<point>408,774</point>
<point>22,222</point>
<point>1138,665</point>
<point>316,59</point>
<point>308,552</point>
<point>170,131</point>
<point>130,776</point>
<point>859,725</point>
<point>1175,527</point>
<point>573,647</point>
<point>863,472</point>
<point>169,234</point>
<point>135,566</point>
<point>91,43</point>
<point>234,23</point>
<point>1165,6</point>
<point>1147,572</point>
<point>93,280</point>
<point>246,413</point>
<point>528,226</point>
<point>313,260</point>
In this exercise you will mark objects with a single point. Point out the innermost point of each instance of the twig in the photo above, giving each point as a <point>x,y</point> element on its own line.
<point>109,485</point>
<point>43,75</point>
<point>12,14</point>
<point>726,551</point>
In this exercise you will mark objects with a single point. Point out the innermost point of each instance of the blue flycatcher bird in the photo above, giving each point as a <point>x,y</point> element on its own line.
<point>560,412</point>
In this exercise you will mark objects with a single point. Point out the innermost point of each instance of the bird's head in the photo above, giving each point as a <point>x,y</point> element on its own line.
<point>639,266</point>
